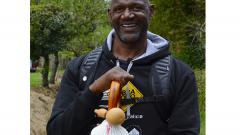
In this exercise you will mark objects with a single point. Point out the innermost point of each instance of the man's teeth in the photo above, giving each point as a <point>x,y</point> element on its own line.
<point>129,25</point>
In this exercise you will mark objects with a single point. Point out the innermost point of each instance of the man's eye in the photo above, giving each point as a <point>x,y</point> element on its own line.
<point>118,10</point>
<point>137,9</point>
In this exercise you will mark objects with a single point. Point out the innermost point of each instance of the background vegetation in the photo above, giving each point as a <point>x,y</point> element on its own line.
<point>182,22</point>
<point>63,29</point>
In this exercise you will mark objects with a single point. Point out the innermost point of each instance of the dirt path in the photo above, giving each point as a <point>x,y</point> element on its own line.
<point>40,108</point>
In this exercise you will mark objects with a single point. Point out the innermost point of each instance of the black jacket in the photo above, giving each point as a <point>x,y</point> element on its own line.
<point>73,114</point>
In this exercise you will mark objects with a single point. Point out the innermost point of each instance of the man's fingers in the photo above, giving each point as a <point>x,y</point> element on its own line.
<point>130,77</point>
<point>104,82</point>
<point>125,78</point>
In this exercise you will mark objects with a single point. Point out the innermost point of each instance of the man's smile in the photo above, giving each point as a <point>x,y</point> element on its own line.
<point>128,27</point>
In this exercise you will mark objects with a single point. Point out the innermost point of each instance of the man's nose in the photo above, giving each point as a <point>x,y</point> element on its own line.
<point>127,14</point>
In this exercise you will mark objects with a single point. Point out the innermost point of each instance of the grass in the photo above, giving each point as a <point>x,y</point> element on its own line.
<point>203,123</point>
<point>36,78</point>
<point>35,82</point>
<point>200,77</point>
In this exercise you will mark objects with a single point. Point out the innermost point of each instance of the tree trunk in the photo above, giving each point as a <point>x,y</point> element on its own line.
<point>54,68</point>
<point>45,71</point>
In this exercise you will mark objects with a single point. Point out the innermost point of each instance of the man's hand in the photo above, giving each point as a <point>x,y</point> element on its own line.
<point>115,74</point>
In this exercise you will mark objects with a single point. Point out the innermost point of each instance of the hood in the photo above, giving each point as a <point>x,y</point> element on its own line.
<point>157,46</point>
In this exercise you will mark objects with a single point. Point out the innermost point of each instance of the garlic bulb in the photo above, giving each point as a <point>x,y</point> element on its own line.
<point>106,129</point>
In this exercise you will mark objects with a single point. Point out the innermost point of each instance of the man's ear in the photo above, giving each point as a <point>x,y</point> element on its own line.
<point>109,15</point>
<point>151,8</point>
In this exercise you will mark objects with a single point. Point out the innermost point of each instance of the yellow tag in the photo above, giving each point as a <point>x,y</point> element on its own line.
<point>133,92</point>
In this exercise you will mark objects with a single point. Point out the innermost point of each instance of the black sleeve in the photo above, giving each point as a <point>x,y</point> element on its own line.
<point>185,118</point>
<point>72,112</point>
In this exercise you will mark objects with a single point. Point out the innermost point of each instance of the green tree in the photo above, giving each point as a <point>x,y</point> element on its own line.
<point>183,23</point>
<point>49,33</point>
<point>88,23</point>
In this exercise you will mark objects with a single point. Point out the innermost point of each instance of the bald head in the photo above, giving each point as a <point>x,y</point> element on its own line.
<point>145,1</point>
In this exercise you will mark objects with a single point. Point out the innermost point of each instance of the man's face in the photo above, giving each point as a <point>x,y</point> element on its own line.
<point>130,19</point>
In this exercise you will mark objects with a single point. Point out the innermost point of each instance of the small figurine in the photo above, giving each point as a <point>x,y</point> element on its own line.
<point>114,117</point>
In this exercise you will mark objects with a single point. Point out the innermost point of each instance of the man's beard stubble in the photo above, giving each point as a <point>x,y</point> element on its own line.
<point>134,38</point>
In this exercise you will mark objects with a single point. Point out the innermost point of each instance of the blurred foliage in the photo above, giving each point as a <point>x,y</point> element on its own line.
<point>200,77</point>
<point>48,27</point>
<point>64,58</point>
<point>201,80</point>
<point>88,23</point>
<point>85,29</point>
<point>182,22</point>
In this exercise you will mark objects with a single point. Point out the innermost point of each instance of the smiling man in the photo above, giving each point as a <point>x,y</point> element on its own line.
<point>130,20</point>
<point>159,93</point>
